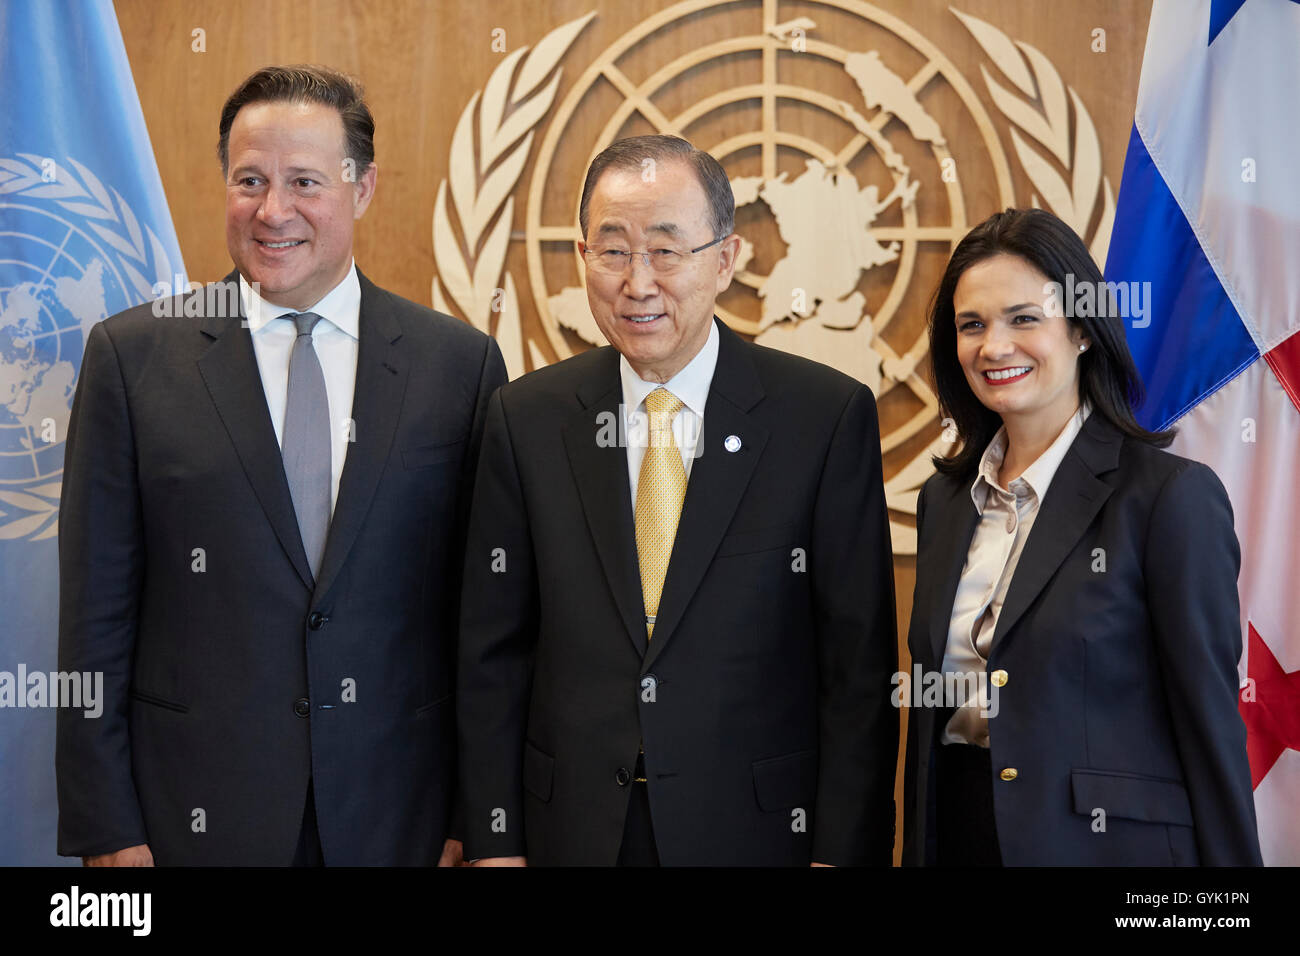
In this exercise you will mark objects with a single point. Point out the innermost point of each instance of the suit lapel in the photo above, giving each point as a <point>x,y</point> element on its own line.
<point>600,472</point>
<point>376,404</point>
<point>717,483</point>
<point>229,370</point>
<point>959,520</point>
<point>1073,499</point>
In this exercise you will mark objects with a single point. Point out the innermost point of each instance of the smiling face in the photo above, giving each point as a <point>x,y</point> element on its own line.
<point>1020,357</point>
<point>658,322</point>
<point>289,208</point>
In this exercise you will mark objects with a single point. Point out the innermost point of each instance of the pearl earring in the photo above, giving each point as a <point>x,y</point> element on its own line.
<point>1083,348</point>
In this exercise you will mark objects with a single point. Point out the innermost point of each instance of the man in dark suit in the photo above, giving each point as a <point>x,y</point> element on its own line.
<point>678,618</point>
<point>262,531</point>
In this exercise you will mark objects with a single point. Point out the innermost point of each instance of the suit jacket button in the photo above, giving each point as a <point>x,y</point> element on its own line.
<point>316,620</point>
<point>302,707</point>
<point>999,678</point>
<point>623,776</point>
<point>1010,773</point>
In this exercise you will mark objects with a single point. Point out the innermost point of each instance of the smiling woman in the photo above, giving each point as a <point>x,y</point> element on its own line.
<point>1081,578</point>
<point>994,307</point>
<point>1020,360</point>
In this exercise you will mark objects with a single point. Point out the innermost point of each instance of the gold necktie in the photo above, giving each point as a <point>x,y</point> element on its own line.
<point>660,491</point>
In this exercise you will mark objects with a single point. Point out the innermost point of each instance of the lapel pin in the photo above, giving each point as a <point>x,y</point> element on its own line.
<point>732,443</point>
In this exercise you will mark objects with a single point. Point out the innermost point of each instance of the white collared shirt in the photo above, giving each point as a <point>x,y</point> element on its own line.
<point>335,340</point>
<point>1006,518</point>
<point>691,385</point>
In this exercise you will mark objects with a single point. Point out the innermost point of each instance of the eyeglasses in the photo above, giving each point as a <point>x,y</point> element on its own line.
<point>609,261</point>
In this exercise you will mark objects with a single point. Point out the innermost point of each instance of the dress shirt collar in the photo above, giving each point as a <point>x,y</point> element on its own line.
<point>341,306</point>
<point>691,384</point>
<point>1037,476</point>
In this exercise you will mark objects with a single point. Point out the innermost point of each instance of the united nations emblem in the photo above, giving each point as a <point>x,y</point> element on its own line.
<point>82,256</point>
<point>847,186</point>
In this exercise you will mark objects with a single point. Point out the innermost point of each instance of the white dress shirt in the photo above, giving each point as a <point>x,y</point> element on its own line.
<point>335,340</point>
<point>1006,518</point>
<point>691,385</point>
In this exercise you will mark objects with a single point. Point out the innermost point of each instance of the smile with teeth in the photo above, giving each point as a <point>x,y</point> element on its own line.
<point>285,244</point>
<point>642,319</point>
<point>1003,375</point>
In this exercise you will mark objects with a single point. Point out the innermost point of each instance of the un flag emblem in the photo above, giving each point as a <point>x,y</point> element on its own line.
<point>73,255</point>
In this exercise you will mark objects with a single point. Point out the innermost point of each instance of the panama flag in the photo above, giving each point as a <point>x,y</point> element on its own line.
<point>1209,214</point>
<point>84,233</point>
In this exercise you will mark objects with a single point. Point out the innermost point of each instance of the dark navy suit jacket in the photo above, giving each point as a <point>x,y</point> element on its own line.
<point>763,697</point>
<point>1119,712</point>
<point>228,688</point>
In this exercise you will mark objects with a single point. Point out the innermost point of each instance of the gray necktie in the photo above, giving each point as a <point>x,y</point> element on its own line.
<point>306,445</point>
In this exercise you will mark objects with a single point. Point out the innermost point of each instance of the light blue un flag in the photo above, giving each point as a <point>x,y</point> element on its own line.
<point>84,233</point>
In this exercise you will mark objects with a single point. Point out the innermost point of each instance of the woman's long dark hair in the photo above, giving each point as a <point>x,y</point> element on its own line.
<point>1108,379</point>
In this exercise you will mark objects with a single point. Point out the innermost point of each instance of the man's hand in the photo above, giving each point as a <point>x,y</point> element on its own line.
<point>502,861</point>
<point>130,856</point>
<point>453,854</point>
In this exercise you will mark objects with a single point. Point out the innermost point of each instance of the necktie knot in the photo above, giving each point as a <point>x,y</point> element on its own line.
<point>662,406</point>
<point>306,321</point>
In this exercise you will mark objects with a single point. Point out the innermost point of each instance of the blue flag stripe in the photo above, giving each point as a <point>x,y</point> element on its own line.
<point>1196,342</point>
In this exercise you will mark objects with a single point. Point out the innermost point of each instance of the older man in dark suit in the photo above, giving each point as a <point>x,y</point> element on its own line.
<point>262,531</point>
<point>678,619</point>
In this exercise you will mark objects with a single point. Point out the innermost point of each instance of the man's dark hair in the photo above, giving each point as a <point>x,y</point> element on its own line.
<point>1108,378</point>
<point>306,84</point>
<point>632,152</point>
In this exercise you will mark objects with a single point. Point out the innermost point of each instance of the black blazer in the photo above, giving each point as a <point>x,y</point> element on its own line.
<point>1119,638</point>
<point>228,687</point>
<point>763,699</point>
